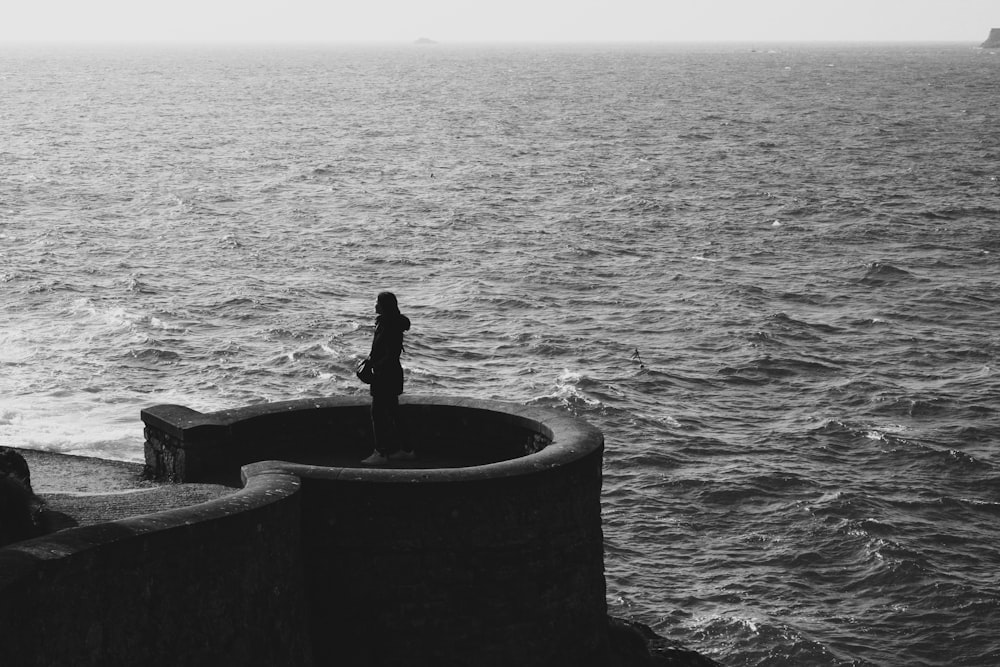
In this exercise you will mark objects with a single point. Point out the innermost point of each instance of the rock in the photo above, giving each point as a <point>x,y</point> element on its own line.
<point>12,463</point>
<point>636,645</point>
<point>17,520</point>
<point>993,41</point>
<point>20,508</point>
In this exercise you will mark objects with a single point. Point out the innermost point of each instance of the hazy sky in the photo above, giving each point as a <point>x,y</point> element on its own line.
<point>499,20</point>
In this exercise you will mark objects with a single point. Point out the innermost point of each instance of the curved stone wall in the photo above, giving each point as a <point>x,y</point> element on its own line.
<point>476,572</point>
<point>486,551</point>
<point>488,565</point>
<point>184,445</point>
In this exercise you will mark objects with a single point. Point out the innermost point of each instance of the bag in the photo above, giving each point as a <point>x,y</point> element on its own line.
<point>365,371</point>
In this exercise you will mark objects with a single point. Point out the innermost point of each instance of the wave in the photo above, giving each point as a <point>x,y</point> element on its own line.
<point>767,368</point>
<point>745,636</point>
<point>53,285</point>
<point>153,354</point>
<point>892,567</point>
<point>953,507</point>
<point>877,274</point>
<point>985,213</point>
<point>569,391</point>
<point>137,286</point>
<point>318,352</point>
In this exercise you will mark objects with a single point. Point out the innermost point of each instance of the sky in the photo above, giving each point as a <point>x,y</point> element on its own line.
<point>497,20</point>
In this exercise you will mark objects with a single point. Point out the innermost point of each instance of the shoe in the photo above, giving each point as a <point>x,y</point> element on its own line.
<point>375,459</point>
<point>403,455</point>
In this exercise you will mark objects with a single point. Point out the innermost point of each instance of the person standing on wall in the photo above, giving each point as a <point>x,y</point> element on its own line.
<point>383,372</point>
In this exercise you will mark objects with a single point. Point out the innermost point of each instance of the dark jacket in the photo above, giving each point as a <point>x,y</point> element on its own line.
<point>387,345</point>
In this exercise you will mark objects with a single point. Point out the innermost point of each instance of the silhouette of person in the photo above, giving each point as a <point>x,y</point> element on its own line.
<point>387,383</point>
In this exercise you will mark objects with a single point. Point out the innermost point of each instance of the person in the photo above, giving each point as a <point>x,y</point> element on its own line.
<point>387,383</point>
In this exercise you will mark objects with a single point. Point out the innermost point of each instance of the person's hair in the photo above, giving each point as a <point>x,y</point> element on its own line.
<point>388,302</point>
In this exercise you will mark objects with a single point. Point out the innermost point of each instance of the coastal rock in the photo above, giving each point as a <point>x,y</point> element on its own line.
<point>20,508</point>
<point>993,41</point>
<point>12,463</point>
<point>634,644</point>
<point>21,511</point>
<point>16,520</point>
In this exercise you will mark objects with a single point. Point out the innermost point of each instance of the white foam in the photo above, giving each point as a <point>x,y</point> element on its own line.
<point>16,349</point>
<point>81,424</point>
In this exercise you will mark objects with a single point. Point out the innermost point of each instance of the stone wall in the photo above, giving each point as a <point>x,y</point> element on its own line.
<point>183,445</point>
<point>483,573</point>
<point>495,559</point>
<point>218,583</point>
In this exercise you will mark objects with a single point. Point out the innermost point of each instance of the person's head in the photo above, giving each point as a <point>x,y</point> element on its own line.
<point>386,303</point>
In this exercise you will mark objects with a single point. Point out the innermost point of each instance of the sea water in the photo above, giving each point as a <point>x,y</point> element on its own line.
<point>767,273</point>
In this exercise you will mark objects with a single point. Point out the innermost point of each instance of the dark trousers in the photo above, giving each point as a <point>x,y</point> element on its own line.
<point>385,423</point>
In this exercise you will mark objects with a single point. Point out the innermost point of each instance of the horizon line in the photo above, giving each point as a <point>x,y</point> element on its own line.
<point>430,42</point>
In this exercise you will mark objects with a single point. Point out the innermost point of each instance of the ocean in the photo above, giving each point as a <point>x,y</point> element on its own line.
<point>768,273</point>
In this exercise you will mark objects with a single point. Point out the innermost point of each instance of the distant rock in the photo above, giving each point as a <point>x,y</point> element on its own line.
<point>424,40</point>
<point>993,41</point>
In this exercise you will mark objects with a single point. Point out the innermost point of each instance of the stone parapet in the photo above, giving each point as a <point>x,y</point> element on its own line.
<point>182,445</point>
<point>486,551</point>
